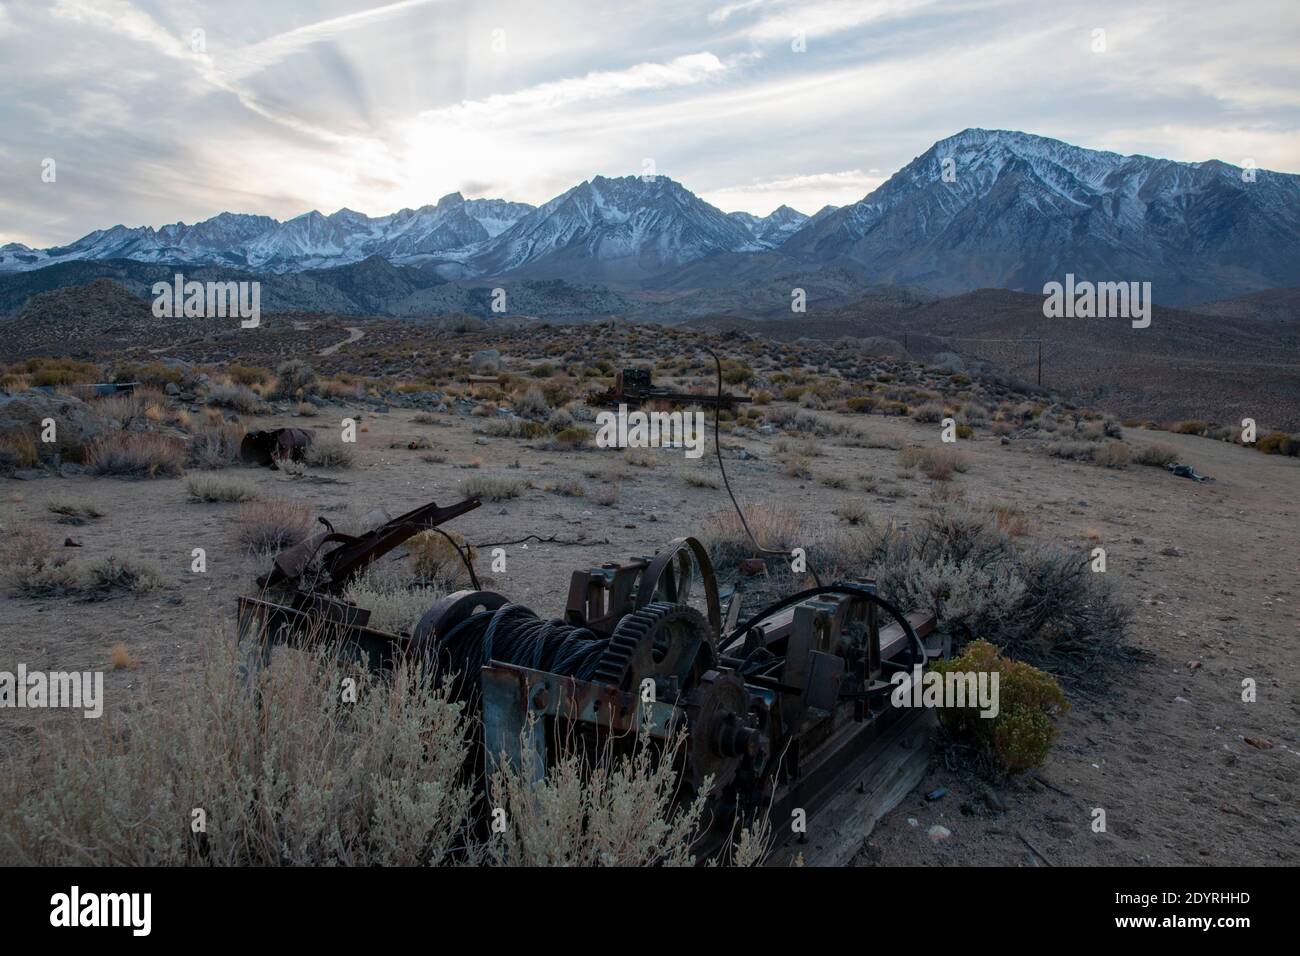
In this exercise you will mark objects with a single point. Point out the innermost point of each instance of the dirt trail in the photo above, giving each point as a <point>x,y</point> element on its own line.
<point>354,335</point>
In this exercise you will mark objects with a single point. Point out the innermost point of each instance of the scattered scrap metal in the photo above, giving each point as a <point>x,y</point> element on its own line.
<point>1187,471</point>
<point>268,446</point>
<point>775,709</point>
<point>633,387</point>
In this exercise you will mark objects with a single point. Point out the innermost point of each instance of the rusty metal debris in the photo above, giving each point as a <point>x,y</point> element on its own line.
<point>270,445</point>
<point>633,387</point>
<point>775,709</point>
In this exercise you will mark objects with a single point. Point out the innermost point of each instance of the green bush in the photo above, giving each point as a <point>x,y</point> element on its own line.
<point>1030,701</point>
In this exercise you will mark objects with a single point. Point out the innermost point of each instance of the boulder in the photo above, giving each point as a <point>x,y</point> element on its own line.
<point>485,362</point>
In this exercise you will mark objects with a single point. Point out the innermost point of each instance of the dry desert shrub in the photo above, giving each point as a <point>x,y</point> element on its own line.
<point>639,457</point>
<point>1158,454</point>
<point>214,488</point>
<point>435,559</point>
<point>286,775</point>
<point>273,524</point>
<point>239,398</point>
<point>216,444</point>
<point>1111,454</point>
<point>937,464</point>
<point>18,450</point>
<point>532,404</point>
<point>395,605</point>
<point>930,412</point>
<point>624,807</point>
<point>569,439</point>
<point>697,478</point>
<point>1040,604</point>
<point>773,525</point>
<point>75,511</point>
<point>330,454</point>
<point>294,379</point>
<point>493,487</point>
<point>32,569</point>
<point>854,511</point>
<point>606,495</point>
<point>136,455</point>
<point>120,657</point>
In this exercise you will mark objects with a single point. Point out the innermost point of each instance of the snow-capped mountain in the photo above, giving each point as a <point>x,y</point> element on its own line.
<point>454,227</point>
<point>981,208</point>
<point>629,227</point>
<point>773,229</point>
<point>1015,211</point>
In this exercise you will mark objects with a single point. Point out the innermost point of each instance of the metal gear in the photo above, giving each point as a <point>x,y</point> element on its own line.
<point>662,641</point>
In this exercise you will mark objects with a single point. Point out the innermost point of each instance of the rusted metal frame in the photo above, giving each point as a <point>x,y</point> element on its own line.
<point>663,563</point>
<point>281,624</point>
<point>512,694</point>
<point>354,553</point>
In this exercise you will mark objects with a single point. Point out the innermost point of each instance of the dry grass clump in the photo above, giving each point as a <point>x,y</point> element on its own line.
<point>774,525</point>
<point>273,524</point>
<point>395,605</point>
<point>1279,443</point>
<point>569,439</point>
<point>854,511</point>
<point>1112,454</point>
<point>294,379</point>
<point>216,444</point>
<point>936,463</point>
<point>33,569</point>
<point>436,560</point>
<point>619,809</point>
<point>567,488</point>
<point>606,495</point>
<point>75,511</point>
<point>1010,519</point>
<point>18,450</point>
<point>531,403</point>
<point>239,398</point>
<point>639,457</point>
<point>1158,454</point>
<point>213,488</point>
<point>493,487</point>
<point>700,479</point>
<point>928,413</point>
<point>514,428</point>
<point>136,455</point>
<point>120,657</point>
<point>330,454</point>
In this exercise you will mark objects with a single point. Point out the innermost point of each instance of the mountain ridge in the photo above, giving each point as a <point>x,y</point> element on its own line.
<point>980,208</point>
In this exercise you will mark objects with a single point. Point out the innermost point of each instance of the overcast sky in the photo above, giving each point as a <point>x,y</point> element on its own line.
<point>281,107</point>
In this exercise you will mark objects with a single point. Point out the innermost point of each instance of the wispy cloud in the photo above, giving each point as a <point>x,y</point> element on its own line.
<point>267,53</point>
<point>605,84</point>
<point>378,104</point>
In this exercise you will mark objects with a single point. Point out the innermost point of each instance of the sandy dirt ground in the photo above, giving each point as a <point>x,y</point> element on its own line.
<point>1210,569</point>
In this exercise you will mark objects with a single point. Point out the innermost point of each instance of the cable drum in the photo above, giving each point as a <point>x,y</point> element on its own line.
<point>514,634</point>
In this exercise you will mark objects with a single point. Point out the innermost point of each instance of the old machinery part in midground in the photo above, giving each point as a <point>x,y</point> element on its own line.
<point>773,711</point>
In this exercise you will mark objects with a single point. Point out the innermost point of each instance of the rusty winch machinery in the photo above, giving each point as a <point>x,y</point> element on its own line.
<point>772,709</point>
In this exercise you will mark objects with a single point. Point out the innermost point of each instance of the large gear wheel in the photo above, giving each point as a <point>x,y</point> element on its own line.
<point>662,641</point>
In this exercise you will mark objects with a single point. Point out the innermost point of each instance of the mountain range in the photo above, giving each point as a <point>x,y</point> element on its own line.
<point>983,208</point>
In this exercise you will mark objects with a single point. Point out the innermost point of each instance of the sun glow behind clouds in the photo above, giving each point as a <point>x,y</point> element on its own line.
<point>377,105</point>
